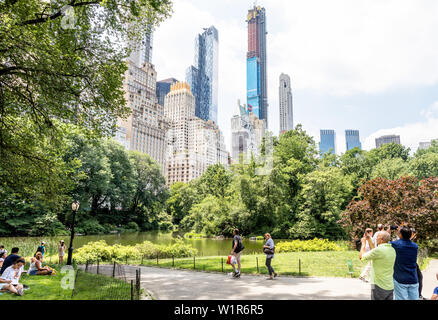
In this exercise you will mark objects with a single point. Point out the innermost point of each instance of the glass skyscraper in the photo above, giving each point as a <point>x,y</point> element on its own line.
<point>256,75</point>
<point>328,138</point>
<point>142,52</point>
<point>163,88</point>
<point>352,139</point>
<point>203,76</point>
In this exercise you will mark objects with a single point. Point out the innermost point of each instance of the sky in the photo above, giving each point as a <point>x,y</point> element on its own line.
<point>367,65</point>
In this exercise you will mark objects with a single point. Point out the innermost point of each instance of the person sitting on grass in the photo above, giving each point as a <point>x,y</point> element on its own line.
<point>9,281</point>
<point>2,258</point>
<point>36,267</point>
<point>9,260</point>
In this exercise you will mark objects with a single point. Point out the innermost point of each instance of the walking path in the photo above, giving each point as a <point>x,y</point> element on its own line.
<point>168,284</point>
<point>429,278</point>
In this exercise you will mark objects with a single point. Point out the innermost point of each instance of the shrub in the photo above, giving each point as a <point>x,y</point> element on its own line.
<point>194,235</point>
<point>307,245</point>
<point>132,226</point>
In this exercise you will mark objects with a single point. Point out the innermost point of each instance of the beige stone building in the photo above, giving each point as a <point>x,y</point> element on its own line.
<point>145,129</point>
<point>193,143</point>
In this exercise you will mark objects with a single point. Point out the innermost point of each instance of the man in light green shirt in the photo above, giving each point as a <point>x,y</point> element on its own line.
<point>382,258</point>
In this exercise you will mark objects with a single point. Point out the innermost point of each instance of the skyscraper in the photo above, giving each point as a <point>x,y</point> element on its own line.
<point>257,91</point>
<point>286,104</point>
<point>203,76</point>
<point>163,88</point>
<point>328,138</point>
<point>142,52</point>
<point>352,139</point>
<point>193,143</point>
<point>387,139</point>
<point>145,129</point>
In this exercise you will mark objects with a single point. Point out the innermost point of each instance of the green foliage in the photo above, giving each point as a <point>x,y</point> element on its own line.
<point>194,235</point>
<point>101,251</point>
<point>307,245</point>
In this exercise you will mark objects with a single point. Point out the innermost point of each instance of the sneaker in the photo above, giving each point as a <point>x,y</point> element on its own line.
<point>237,275</point>
<point>275,274</point>
<point>20,292</point>
<point>363,279</point>
<point>25,287</point>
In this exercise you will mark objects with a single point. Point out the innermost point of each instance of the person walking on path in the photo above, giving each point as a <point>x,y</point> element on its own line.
<point>435,292</point>
<point>406,286</point>
<point>382,259</point>
<point>236,251</point>
<point>61,250</point>
<point>269,250</point>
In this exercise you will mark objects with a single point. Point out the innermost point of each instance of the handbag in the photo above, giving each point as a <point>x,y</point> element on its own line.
<point>229,260</point>
<point>269,251</point>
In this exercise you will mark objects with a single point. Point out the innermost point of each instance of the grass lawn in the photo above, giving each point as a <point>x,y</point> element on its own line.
<point>88,287</point>
<point>322,264</point>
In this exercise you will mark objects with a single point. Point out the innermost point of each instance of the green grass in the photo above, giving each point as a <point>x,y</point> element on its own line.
<point>322,264</point>
<point>88,287</point>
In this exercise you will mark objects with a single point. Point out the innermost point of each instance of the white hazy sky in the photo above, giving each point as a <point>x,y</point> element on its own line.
<point>367,65</point>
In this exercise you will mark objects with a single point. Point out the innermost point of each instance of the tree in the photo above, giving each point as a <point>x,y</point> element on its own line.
<point>391,168</point>
<point>215,181</point>
<point>182,197</point>
<point>390,151</point>
<point>53,68</point>
<point>150,193</point>
<point>325,193</point>
<point>392,202</point>
<point>425,164</point>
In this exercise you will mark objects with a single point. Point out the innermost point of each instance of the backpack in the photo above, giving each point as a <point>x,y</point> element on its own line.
<point>240,246</point>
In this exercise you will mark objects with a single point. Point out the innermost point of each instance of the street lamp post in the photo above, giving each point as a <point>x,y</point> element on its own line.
<point>75,208</point>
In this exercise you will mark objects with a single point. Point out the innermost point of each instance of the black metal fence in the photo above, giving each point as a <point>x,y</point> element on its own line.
<point>96,281</point>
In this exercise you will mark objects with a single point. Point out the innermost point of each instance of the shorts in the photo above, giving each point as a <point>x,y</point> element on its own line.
<point>237,255</point>
<point>2,285</point>
<point>32,272</point>
<point>378,293</point>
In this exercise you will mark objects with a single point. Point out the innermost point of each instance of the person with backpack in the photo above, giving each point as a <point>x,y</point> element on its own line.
<point>42,249</point>
<point>269,250</point>
<point>237,252</point>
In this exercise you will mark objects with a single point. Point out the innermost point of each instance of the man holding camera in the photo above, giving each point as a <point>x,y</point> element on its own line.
<point>406,285</point>
<point>382,258</point>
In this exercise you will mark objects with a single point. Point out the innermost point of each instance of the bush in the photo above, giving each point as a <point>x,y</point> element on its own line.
<point>308,245</point>
<point>101,251</point>
<point>90,226</point>
<point>132,227</point>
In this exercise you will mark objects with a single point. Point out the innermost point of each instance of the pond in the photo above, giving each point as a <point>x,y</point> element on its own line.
<point>206,247</point>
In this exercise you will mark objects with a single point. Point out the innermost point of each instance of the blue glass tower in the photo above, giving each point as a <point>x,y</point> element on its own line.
<point>203,76</point>
<point>327,143</point>
<point>352,139</point>
<point>256,71</point>
<point>163,88</point>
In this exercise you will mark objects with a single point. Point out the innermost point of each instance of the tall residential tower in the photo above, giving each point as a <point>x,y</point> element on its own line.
<point>203,77</point>
<point>327,144</point>
<point>257,89</point>
<point>286,104</point>
<point>352,139</point>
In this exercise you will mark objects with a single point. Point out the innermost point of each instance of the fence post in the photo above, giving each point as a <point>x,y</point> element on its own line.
<point>86,266</point>
<point>157,259</point>
<point>126,259</point>
<point>132,289</point>
<point>194,263</point>
<point>114,269</point>
<point>97,271</point>
<point>222,260</point>
<point>173,261</point>
<point>257,260</point>
<point>299,265</point>
<point>142,259</point>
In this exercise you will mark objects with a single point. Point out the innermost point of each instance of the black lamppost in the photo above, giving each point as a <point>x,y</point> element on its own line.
<point>75,208</point>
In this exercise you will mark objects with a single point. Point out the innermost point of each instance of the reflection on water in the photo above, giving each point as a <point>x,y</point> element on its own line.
<point>206,247</point>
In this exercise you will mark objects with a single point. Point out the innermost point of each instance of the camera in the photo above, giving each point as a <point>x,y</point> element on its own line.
<point>393,228</point>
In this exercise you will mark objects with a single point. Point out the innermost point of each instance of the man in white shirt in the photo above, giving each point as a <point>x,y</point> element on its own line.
<point>9,279</point>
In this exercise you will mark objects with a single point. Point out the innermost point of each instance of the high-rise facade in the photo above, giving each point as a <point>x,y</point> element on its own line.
<point>163,88</point>
<point>142,52</point>
<point>203,76</point>
<point>427,144</point>
<point>247,134</point>
<point>145,129</point>
<point>193,143</point>
<point>257,90</point>
<point>327,144</point>
<point>352,139</point>
<point>286,104</point>
<point>387,139</point>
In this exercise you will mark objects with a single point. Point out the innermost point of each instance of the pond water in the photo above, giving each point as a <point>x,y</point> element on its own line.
<point>206,247</point>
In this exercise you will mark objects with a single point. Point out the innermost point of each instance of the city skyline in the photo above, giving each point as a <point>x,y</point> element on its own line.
<point>335,76</point>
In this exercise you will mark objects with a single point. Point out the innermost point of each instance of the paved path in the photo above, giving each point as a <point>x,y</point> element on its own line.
<point>167,284</point>
<point>430,281</point>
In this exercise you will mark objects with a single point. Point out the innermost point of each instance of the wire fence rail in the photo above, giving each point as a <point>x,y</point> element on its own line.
<point>107,281</point>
